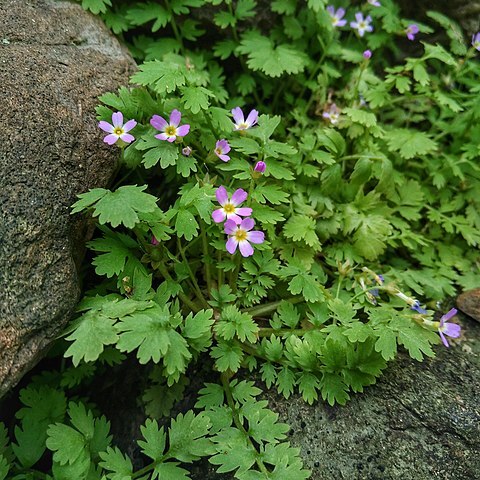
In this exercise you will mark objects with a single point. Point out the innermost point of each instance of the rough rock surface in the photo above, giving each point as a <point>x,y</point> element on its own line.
<point>55,59</point>
<point>469,303</point>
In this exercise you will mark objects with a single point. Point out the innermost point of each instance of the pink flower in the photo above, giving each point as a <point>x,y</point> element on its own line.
<point>186,151</point>
<point>362,25</point>
<point>336,16</point>
<point>170,131</point>
<point>476,41</point>
<point>230,208</point>
<point>367,54</point>
<point>154,241</point>
<point>241,236</point>
<point>240,122</point>
<point>449,329</point>
<point>118,130</point>
<point>332,114</point>
<point>411,31</point>
<point>260,167</point>
<point>374,3</point>
<point>221,148</point>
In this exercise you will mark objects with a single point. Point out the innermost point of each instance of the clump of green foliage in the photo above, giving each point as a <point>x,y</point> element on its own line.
<point>357,213</point>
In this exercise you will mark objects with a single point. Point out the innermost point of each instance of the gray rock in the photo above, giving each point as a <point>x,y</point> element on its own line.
<point>469,303</point>
<point>55,60</point>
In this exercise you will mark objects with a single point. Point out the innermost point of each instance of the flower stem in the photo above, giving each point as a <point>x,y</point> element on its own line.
<point>173,23</point>
<point>191,274</point>
<point>206,256</point>
<point>270,307</point>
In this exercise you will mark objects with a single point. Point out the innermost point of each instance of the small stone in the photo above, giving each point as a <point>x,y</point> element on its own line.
<point>469,303</point>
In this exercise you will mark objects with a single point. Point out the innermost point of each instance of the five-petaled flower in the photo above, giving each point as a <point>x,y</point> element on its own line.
<point>221,149</point>
<point>336,16</point>
<point>362,25</point>
<point>117,130</point>
<point>449,329</point>
<point>476,41</point>
<point>374,3</point>
<point>241,235</point>
<point>332,114</point>
<point>230,207</point>
<point>240,122</point>
<point>411,31</point>
<point>171,129</point>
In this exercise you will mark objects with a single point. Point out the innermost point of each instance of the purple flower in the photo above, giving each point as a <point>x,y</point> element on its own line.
<point>241,236</point>
<point>170,131</point>
<point>337,16</point>
<point>154,241</point>
<point>374,3</point>
<point>187,151</point>
<point>362,24</point>
<point>449,329</point>
<point>260,167</point>
<point>476,41</point>
<point>240,122</point>
<point>117,130</point>
<point>411,31</point>
<point>367,54</point>
<point>221,148</point>
<point>230,208</point>
<point>332,114</point>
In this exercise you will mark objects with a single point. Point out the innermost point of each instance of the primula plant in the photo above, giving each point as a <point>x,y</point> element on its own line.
<point>295,195</point>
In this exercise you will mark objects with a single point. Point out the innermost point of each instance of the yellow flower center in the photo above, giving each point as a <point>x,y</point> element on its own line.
<point>171,130</point>
<point>229,208</point>
<point>242,126</point>
<point>118,131</point>
<point>240,235</point>
<point>218,151</point>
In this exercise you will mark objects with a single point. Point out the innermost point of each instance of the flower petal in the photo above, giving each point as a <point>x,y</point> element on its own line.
<point>238,115</point>
<point>243,211</point>
<point>235,218</point>
<point>117,119</point>
<point>245,248</point>
<point>359,17</point>
<point>252,118</point>
<point>451,313</point>
<point>444,340</point>
<point>452,330</point>
<point>175,118</point>
<point>171,138</point>
<point>162,136</point>
<point>230,227</point>
<point>331,10</point>
<point>231,245</point>
<point>222,195</point>
<point>111,139</point>
<point>239,196</point>
<point>129,125</point>
<point>158,122</point>
<point>340,13</point>
<point>247,224</point>
<point>106,127</point>
<point>224,158</point>
<point>256,237</point>
<point>219,215</point>
<point>183,130</point>
<point>127,138</point>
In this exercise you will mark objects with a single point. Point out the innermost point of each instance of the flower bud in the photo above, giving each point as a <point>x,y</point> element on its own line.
<point>260,167</point>
<point>186,151</point>
<point>367,54</point>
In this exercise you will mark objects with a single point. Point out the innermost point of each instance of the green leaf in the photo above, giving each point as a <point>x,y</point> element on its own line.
<point>155,440</point>
<point>96,6</point>
<point>143,13</point>
<point>163,77</point>
<point>67,444</point>
<point>227,355</point>
<point>362,117</point>
<point>234,323</point>
<point>92,332</point>
<point>409,143</point>
<point>196,98</point>
<point>186,225</point>
<point>301,227</point>
<point>120,466</point>
<point>386,343</point>
<point>334,389</point>
<point>119,207</point>
<point>272,60</point>
<point>172,471</point>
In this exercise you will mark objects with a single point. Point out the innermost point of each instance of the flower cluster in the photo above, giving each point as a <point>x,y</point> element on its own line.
<point>238,229</point>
